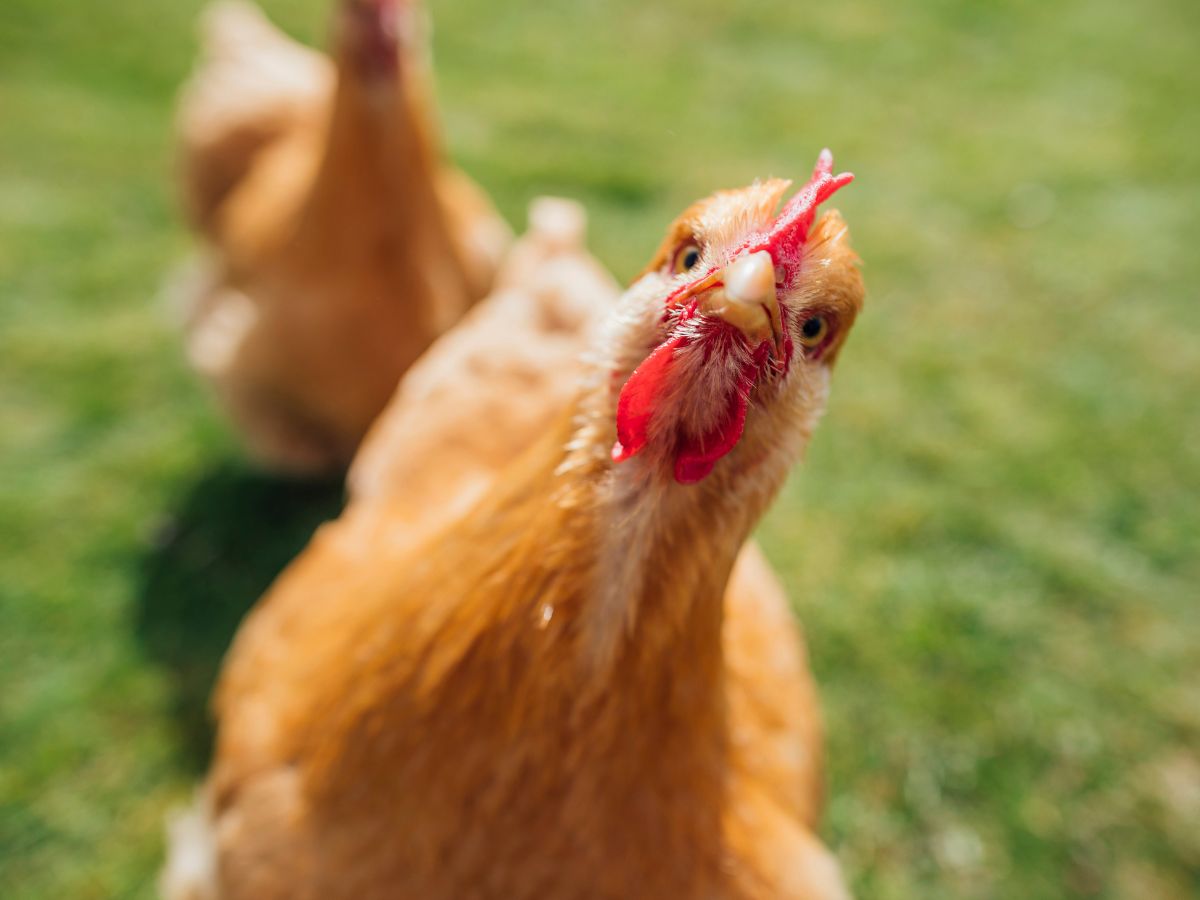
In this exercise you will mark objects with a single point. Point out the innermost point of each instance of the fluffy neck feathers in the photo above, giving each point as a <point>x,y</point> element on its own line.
<point>619,565</point>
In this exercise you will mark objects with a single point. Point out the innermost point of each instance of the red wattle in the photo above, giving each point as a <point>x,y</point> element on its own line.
<point>639,397</point>
<point>697,456</point>
<point>694,457</point>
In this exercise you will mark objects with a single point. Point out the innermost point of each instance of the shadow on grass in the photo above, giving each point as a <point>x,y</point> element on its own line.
<point>231,534</point>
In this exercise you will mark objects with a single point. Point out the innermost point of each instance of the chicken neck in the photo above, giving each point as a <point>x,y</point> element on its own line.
<point>551,671</point>
<point>375,190</point>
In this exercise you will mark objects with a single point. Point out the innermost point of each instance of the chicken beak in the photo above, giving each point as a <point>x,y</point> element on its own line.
<point>743,294</point>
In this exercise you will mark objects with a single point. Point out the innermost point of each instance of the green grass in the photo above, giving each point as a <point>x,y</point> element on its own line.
<point>993,544</point>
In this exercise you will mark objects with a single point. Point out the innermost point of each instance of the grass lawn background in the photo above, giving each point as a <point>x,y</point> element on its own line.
<point>993,544</point>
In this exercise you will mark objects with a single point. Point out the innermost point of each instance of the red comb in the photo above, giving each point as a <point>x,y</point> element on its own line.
<point>792,226</point>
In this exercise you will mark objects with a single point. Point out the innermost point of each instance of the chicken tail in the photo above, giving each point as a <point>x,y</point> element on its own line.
<point>229,27</point>
<point>191,869</point>
<point>558,223</point>
<point>557,230</point>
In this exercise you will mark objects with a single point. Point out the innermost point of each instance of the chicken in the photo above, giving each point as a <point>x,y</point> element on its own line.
<point>340,245</point>
<point>553,695</point>
<point>435,450</point>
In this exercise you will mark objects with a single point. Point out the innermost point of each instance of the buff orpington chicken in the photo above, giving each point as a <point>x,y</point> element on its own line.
<point>553,695</point>
<point>339,243</point>
<point>515,360</point>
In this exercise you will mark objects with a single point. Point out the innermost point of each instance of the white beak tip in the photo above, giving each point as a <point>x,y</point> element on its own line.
<point>750,280</point>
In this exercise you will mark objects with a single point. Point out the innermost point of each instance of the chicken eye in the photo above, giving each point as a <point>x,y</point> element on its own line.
<point>687,258</point>
<point>813,330</point>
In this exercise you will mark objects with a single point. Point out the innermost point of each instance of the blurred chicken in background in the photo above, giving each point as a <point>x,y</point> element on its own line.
<point>555,695</point>
<point>341,244</point>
